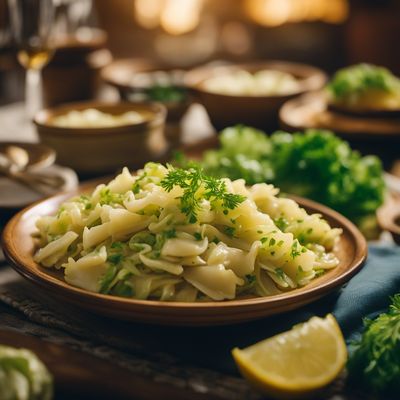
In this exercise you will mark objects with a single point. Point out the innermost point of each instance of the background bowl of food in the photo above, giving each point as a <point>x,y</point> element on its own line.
<point>95,138</point>
<point>251,93</point>
<point>364,90</point>
<point>143,80</point>
<point>361,103</point>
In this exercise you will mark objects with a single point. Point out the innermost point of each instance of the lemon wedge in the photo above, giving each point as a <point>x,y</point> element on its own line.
<point>297,362</point>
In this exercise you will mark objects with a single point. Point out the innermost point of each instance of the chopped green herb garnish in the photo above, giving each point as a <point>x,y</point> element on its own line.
<point>197,236</point>
<point>281,223</point>
<point>85,200</point>
<point>160,241</point>
<point>319,272</point>
<point>140,238</point>
<point>123,289</point>
<point>171,233</point>
<point>136,186</point>
<point>294,251</point>
<point>272,241</point>
<point>280,273</point>
<point>155,254</point>
<point>250,279</point>
<point>229,230</point>
<point>107,278</point>
<point>115,258</point>
<point>107,197</point>
<point>193,179</point>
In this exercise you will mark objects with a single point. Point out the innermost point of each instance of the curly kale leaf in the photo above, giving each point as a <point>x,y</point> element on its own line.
<point>374,361</point>
<point>315,164</point>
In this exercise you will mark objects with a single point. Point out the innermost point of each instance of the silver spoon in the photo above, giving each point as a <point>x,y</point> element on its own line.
<point>13,164</point>
<point>18,156</point>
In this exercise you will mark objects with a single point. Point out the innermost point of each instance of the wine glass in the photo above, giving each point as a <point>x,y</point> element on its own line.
<point>31,23</point>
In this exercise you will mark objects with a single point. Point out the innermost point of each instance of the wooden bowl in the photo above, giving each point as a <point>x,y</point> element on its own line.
<point>120,73</point>
<point>370,113</point>
<point>105,150</point>
<point>311,111</point>
<point>258,111</point>
<point>18,247</point>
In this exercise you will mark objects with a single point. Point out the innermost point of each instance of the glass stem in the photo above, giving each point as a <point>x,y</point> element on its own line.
<point>33,92</point>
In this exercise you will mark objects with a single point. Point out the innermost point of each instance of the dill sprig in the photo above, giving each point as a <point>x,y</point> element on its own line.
<point>197,186</point>
<point>375,357</point>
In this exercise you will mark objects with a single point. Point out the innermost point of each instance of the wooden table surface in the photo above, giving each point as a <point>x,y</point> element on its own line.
<point>157,362</point>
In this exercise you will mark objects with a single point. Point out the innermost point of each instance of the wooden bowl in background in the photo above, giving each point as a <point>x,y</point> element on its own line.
<point>120,74</point>
<point>363,113</point>
<point>105,150</point>
<point>257,111</point>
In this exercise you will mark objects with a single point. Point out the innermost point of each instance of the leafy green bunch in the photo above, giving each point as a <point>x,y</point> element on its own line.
<point>374,363</point>
<point>360,78</point>
<point>314,164</point>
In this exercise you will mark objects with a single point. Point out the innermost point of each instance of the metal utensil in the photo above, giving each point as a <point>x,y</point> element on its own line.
<point>13,162</point>
<point>18,156</point>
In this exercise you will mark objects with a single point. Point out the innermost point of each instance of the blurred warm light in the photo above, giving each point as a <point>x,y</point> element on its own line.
<point>148,12</point>
<point>176,17</point>
<point>181,16</point>
<point>278,12</point>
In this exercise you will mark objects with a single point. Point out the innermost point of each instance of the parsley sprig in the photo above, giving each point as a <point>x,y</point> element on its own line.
<point>375,358</point>
<point>197,186</point>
